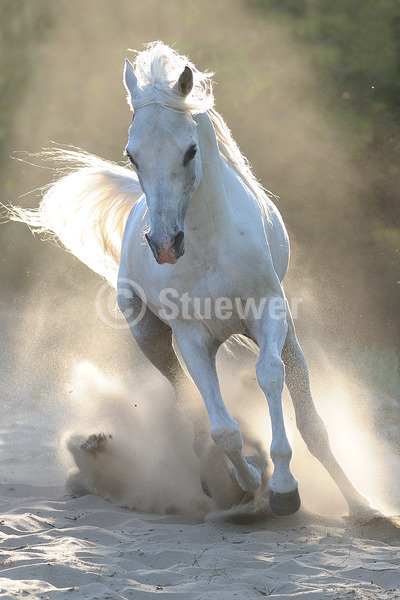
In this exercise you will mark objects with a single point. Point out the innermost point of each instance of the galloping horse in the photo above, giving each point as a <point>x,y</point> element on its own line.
<point>191,222</point>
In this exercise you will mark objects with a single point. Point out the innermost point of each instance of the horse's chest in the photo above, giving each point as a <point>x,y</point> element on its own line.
<point>221,303</point>
<point>220,289</point>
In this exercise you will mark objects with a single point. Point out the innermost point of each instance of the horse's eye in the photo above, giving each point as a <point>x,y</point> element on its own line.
<point>190,154</point>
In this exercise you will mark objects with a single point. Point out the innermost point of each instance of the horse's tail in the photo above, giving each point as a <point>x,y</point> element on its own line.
<point>86,208</point>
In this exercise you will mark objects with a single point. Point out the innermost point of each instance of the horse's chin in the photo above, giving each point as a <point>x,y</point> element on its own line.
<point>168,256</point>
<point>166,260</point>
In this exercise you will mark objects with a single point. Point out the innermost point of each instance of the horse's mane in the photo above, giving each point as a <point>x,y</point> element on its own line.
<point>157,70</point>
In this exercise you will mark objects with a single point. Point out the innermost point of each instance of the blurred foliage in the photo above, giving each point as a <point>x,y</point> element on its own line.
<point>356,44</point>
<point>22,26</point>
<point>355,50</point>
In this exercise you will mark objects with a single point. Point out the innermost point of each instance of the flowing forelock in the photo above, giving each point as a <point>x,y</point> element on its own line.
<point>158,69</point>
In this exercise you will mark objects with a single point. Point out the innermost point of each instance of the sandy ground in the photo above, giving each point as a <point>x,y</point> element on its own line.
<point>57,547</point>
<point>54,545</point>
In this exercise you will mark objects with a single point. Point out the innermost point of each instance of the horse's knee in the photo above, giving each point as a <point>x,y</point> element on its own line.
<point>228,438</point>
<point>270,374</point>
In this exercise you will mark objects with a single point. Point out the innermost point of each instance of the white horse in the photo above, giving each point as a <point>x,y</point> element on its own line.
<point>202,258</point>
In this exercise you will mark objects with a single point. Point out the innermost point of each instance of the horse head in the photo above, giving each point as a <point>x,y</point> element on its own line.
<point>163,148</point>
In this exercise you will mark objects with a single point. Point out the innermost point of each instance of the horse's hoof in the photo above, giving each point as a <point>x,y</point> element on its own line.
<point>284,504</point>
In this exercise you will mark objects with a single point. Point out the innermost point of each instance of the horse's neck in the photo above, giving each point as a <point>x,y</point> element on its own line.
<point>210,206</point>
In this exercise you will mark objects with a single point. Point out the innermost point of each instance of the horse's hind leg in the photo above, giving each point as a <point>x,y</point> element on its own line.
<point>310,424</point>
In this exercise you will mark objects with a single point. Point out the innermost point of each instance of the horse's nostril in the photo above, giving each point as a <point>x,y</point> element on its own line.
<point>151,244</point>
<point>178,241</point>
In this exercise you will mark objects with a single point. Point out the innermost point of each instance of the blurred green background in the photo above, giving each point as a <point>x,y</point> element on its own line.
<point>310,90</point>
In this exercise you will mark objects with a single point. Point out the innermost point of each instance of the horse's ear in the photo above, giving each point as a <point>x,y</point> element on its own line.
<point>185,82</point>
<point>130,81</point>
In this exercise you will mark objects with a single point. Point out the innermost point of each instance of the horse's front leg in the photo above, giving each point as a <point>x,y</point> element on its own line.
<point>199,351</point>
<point>270,333</point>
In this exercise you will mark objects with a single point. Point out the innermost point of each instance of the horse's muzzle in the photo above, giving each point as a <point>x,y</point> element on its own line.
<point>170,251</point>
